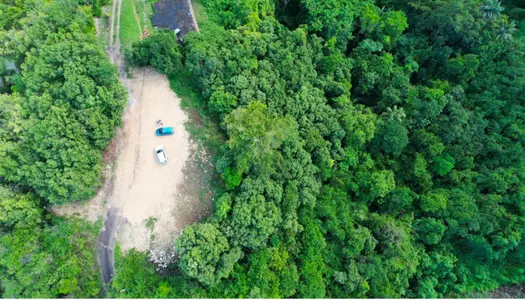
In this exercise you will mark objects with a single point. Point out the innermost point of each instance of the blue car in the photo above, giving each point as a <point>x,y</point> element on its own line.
<point>164,131</point>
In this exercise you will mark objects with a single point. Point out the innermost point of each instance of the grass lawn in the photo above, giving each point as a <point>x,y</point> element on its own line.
<point>129,28</point>
<point>145,11</point>
<point>200,12</point>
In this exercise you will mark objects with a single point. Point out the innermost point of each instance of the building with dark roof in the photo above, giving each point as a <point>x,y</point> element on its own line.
<point>173,14</point>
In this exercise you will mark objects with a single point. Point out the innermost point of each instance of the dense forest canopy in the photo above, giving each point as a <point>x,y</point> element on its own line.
<point>372,148</point>
<point>365,148</point>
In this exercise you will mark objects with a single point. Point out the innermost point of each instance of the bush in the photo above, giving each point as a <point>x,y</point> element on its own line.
<point>161,51</point>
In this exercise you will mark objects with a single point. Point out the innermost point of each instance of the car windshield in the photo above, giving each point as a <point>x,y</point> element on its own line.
<point>159,151</point>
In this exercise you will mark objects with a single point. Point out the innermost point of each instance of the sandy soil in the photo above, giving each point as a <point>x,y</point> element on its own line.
<point>138,187</point>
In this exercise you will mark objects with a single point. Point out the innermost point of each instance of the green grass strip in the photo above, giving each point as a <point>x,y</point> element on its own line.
<point>129,28</point>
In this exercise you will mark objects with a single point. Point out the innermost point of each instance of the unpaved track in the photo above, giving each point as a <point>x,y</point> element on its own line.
<point>193,17</point>
<point>113,13</point>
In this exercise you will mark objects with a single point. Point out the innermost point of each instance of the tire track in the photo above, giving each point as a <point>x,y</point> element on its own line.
<point>112,23</point>
<point>117,39</point>
<point>137,19</point>
<point>106,239</point>
<point>137,151</point>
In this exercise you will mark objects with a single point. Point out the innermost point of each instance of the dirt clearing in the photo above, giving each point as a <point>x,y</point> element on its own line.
<point>154,202</point>
<point>143,188</point>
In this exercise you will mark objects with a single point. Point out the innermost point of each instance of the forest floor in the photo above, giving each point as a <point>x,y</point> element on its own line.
<point>507,292</point>
<point>145,205</point>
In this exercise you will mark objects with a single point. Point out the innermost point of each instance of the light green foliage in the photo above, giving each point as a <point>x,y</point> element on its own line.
<point>205,253</point>
<point>223,206</point>
<point>222,102</point>
<point>272,274</point>
<point>333,22</point>
<point>254,136</point>
<point>66,102</point>
<point>51,261</point>
<point>312,266</point>
<point>381,183</point>
<point>18,210</point>
<point>136,277</point>
<point>359,124</point>
<point>434,202</point>
<point>234,14</point>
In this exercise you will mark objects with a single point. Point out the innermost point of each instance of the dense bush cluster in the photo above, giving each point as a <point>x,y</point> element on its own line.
<point>64,103</point>
<point>60,100</point>
<point>373,149</point>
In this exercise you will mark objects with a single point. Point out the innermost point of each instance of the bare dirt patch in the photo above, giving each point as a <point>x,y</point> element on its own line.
<point>144,188</point>
<point>137,186</point>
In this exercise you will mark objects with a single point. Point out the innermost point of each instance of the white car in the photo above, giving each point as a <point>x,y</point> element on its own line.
<point>161,155</point>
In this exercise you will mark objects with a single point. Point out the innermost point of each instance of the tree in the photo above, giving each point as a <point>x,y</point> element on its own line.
<point>205,253</point>
<point>505,31</point>
<point>398,200</point>
<point>491,9</point>
<point>66,104</point>
<point>375,146</point>
<point>434,202</point>
<point>391,137</point>
<point>254,136</point>
<point>443,164</point>
<point>395,113</point>
<point>18,210</point>
<point>429,230</point>
<point>56,260</point>
<point>160,50</point>
<point>254,215</point>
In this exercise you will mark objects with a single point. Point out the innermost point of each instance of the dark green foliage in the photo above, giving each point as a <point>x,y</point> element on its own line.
<point>65,103</point>
<point>392,137</point>
<point>160,50</point>
<point>385,158</point>
<point>372,149</point>
<point>59,104</point>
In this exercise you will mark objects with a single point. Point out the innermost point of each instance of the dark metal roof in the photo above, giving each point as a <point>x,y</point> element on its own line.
<point>173,14</point>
